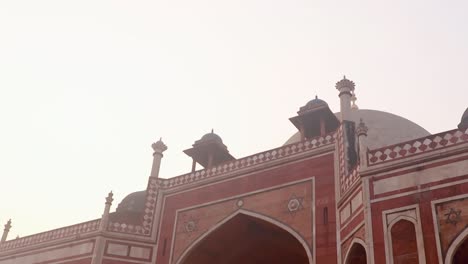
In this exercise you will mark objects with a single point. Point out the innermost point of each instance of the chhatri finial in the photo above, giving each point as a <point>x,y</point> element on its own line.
<point>159,146</point>
<point>345,84</point>
<point>109,198</point>
<point>212,131</point>
<point>8,225</point>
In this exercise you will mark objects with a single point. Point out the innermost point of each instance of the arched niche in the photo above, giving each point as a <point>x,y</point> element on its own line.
<point>403,237</point>
<point>404,242</point>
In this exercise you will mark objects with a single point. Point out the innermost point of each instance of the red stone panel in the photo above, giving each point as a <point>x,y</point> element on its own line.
<point>355,221</point>
<point>321,168</point>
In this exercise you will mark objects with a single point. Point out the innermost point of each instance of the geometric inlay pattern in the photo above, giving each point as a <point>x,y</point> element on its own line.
<point>417,146</point>
<point>51,235</point>
<point>249,161</point>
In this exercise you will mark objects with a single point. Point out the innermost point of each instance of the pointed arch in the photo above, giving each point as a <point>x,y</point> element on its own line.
<point>401,217</point>
<point>356,242</point>
<point>455,245</point>
<point>415,229</point>
<point>265,218</point>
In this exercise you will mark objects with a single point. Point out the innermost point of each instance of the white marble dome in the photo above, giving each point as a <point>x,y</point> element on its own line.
<point>384,128</point>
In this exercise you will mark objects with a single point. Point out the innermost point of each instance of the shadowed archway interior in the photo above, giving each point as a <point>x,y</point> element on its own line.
<point>357,255</point>
<point>461,255</point>
<point>248,240</point>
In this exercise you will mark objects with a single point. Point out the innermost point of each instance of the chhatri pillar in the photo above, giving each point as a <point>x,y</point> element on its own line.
<point>100,240</point>
<point>159,147</point>
<point>361,132</point>
<point>5,231</point>
<point>105,215</point>
<point>346,89</point>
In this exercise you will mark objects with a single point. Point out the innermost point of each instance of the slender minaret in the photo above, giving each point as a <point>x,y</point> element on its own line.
<point>5,231</point>
<point>100,240</point>
<point>158,148</point>
<point>361,132</point>
<point>105,215</point>
<point>346,89</point>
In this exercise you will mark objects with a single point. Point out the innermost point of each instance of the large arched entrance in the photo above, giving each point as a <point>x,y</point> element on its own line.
<point>248,240</point>
<point>357,255</point>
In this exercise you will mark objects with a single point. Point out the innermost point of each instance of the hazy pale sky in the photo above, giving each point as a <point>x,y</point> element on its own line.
<point>86,86</point>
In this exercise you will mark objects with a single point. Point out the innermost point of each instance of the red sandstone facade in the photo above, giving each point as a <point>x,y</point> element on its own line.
<point>325,198</point>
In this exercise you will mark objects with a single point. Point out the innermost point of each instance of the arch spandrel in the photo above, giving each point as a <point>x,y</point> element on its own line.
<point>289,205</point>
<point>451,220</point>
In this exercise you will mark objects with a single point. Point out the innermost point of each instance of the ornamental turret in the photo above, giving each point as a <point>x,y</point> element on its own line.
<point>315,119</point>
<point>209,151</point>
<point>158,147</point>
<point>346,89</point>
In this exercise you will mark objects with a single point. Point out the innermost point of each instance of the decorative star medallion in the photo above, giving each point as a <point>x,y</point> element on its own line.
<point>295,204</point>
<point>191,225</point>
<point>453,217</point>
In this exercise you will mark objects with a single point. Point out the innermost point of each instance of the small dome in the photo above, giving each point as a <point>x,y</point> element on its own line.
<point>316,102</point>
<point>464,120</point>
<point>313,104</point>
<point>134,202</point>
<point>209,137</point>
<point>384,128</point>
